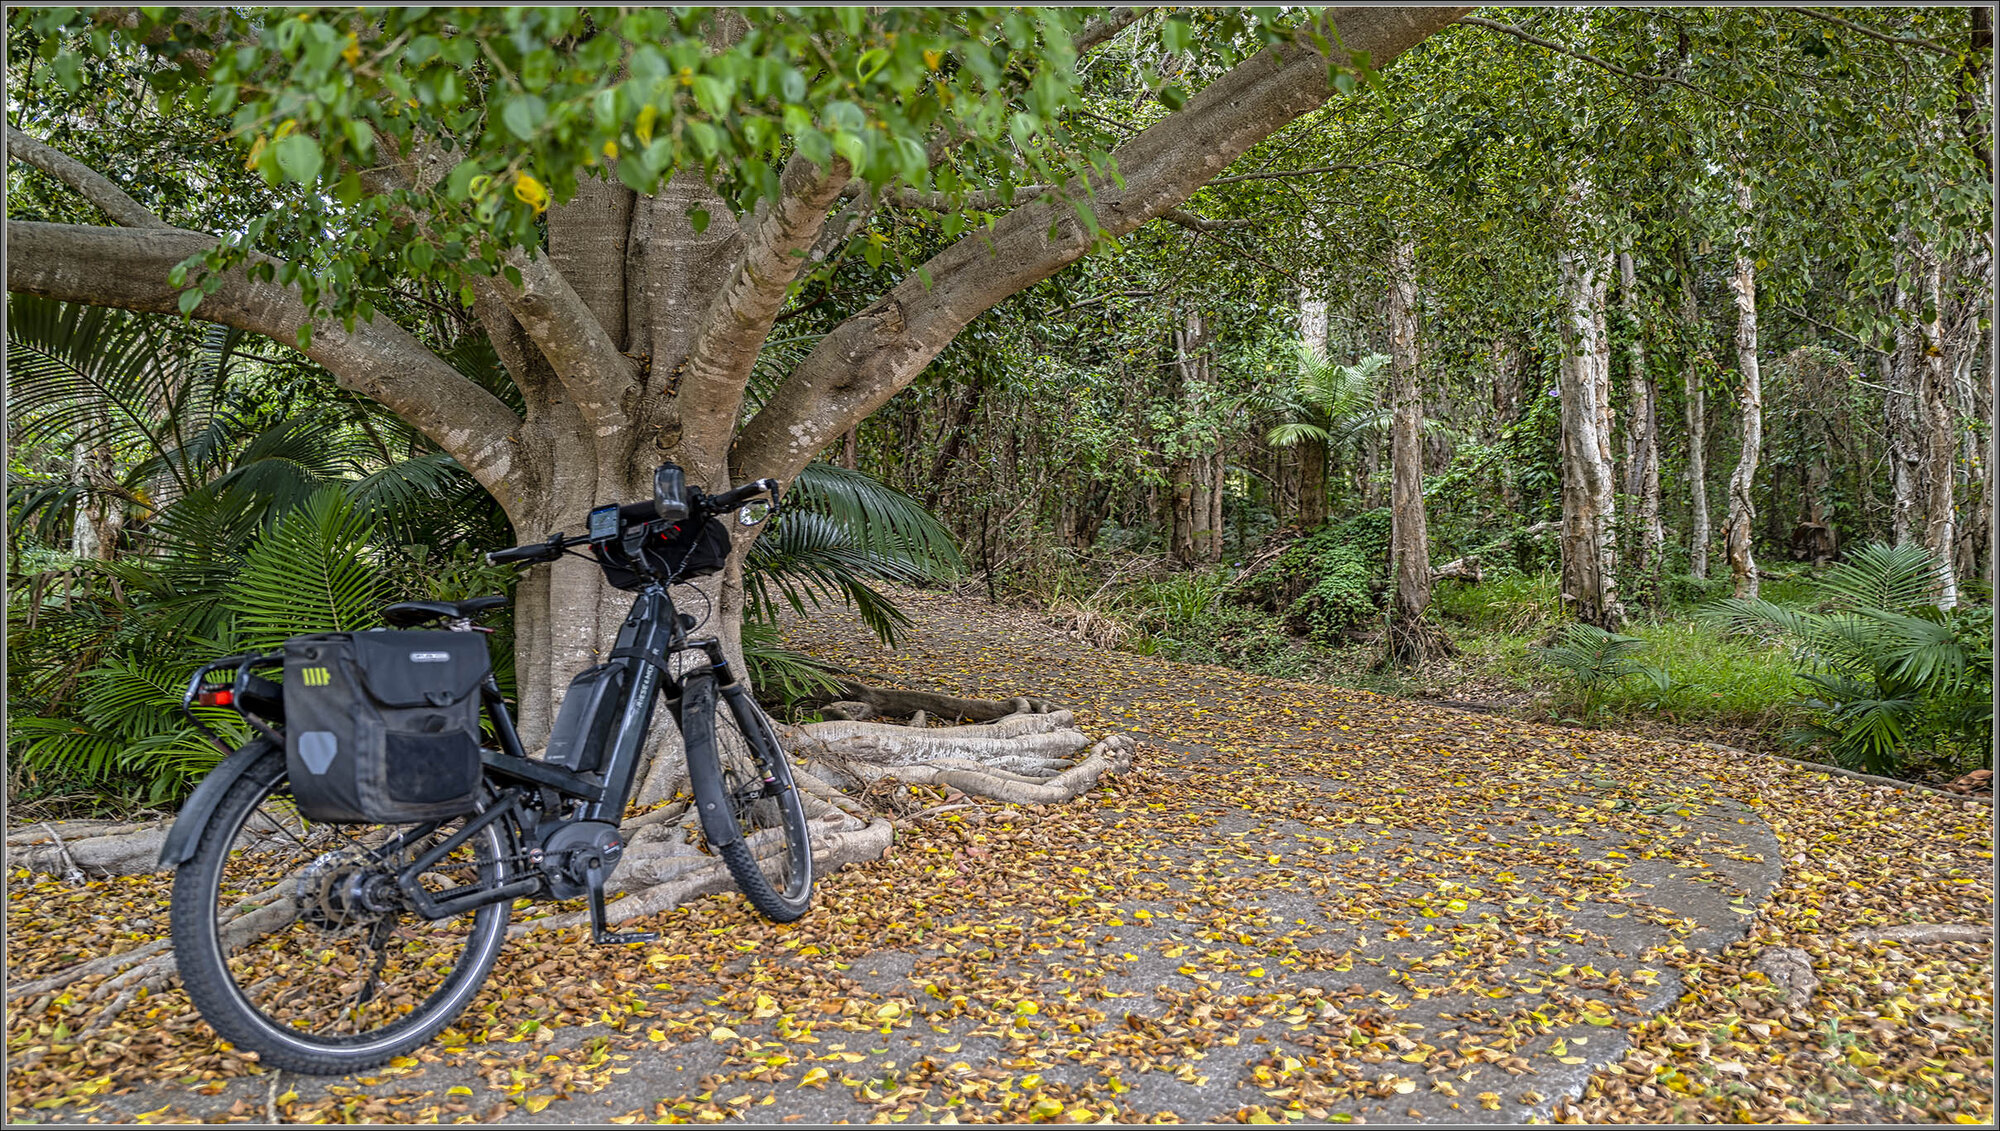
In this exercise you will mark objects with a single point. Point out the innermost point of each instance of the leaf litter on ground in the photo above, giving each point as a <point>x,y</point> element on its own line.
<point>1014,922</point>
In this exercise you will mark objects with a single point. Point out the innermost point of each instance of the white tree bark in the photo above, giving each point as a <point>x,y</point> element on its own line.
<point>1589,543</point>
<point>1643,426</point>
<point>1409,528</point>
<point>1739,527</point>
<point>1693,369</point>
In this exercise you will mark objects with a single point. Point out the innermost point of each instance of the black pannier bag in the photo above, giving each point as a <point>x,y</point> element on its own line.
<point>681,552</point>
<point>383,726</point>
<point>589,709</point>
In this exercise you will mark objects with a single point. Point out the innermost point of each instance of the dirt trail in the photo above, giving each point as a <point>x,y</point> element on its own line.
<point>1304,904</point>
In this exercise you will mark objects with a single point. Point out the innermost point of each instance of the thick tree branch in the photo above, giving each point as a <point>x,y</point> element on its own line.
<point>1105,27</point>
<point>984,200</point>
<point>778,238</point>
<point>872,355</point>
<point>546,308</point>
<point>1900,41</point>
<point>592,370</point>
<point>128,268</point>
<point>90,184</point>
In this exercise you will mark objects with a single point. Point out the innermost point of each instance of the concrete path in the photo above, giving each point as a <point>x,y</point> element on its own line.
<point>1306,904</point>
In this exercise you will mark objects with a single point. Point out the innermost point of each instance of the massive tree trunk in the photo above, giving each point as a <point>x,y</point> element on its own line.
<point>1643,426</point>
<point>1589,542</point>
<point>1409,534</point>
<point>1695,361</point>
<point>1740,526</point>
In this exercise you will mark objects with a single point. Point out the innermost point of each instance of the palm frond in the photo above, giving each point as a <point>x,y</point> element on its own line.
<point>1896,578</point>
<point>879,518</point>
<point>310,573</point>
<point>1294,432</point>
<point>809,558</point>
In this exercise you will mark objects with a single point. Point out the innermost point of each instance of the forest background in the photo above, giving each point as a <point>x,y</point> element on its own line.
<point>1622,365</point>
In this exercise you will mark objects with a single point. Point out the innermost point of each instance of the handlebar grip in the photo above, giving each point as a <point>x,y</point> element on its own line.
<point>535,552</point>
<point>729,500</point>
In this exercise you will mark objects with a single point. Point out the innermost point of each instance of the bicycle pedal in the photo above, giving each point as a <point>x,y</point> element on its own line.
<point>620,938</point>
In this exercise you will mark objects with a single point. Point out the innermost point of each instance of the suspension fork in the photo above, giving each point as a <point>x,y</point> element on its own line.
<point>763,744</point>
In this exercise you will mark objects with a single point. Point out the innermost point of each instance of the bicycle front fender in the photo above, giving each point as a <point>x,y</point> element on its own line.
<point>200,805</point>
<point>711,799</point>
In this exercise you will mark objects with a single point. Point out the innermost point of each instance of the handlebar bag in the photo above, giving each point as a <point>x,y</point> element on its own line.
<point>383,726</point>
<point>676,553</point>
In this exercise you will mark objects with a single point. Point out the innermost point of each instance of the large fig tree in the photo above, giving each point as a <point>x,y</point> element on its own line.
<point>626,200</point>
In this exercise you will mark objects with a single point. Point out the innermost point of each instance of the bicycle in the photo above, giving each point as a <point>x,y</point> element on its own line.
<point>330,946</point>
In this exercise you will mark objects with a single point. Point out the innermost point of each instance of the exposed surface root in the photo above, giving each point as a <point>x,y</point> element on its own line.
<point>78,849</point>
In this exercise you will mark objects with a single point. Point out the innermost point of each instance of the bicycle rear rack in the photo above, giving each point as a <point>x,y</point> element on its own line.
<point>244,690</point>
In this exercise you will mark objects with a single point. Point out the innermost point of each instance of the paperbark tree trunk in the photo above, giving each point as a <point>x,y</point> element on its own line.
<point>1506,410</point>
<point>100,515</point>
<point>1217,476</point>
<point>1903,404</point>
<point>1740,527</point>
<point>1589,544</point>
<point>1694,368</point>
<point>1312,454</point>
<point>1193,473</point>
<point>1643,425</point>
<point>1409,532</point>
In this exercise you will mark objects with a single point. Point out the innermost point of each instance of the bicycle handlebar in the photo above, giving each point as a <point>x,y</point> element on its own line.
<point>730,500</point>
<point>535,553</point>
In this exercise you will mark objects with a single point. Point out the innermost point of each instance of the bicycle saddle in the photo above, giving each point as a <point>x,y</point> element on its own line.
<point>407,613</point>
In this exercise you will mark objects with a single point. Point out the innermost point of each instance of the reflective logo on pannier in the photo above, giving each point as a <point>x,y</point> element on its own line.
<point>317,748</point>
<point>430,657</point>
<point>316,677</point>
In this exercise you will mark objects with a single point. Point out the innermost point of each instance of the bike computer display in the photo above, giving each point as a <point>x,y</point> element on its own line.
<point>604,523</point>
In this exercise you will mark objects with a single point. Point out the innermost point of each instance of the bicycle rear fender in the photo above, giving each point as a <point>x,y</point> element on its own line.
<point>200,806</point>
<point>711,800</point>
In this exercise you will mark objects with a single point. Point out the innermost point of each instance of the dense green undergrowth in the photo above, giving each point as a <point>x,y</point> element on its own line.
<point>1312,611</point>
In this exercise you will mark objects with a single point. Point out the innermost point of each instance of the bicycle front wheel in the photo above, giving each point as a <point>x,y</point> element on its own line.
<point>295,944</point>
<point>771,860</point>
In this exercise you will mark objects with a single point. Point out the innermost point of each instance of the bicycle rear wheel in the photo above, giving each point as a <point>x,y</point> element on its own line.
<point>771,860</point>
<point>294,943</point>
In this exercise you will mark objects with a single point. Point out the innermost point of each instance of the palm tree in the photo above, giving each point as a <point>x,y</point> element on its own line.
<point>1329,407</point>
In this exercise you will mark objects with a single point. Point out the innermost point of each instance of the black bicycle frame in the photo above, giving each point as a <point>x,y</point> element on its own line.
<point>653,631</point>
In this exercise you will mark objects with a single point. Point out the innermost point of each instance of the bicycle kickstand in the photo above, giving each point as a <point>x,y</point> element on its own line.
<point>594,879</point>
